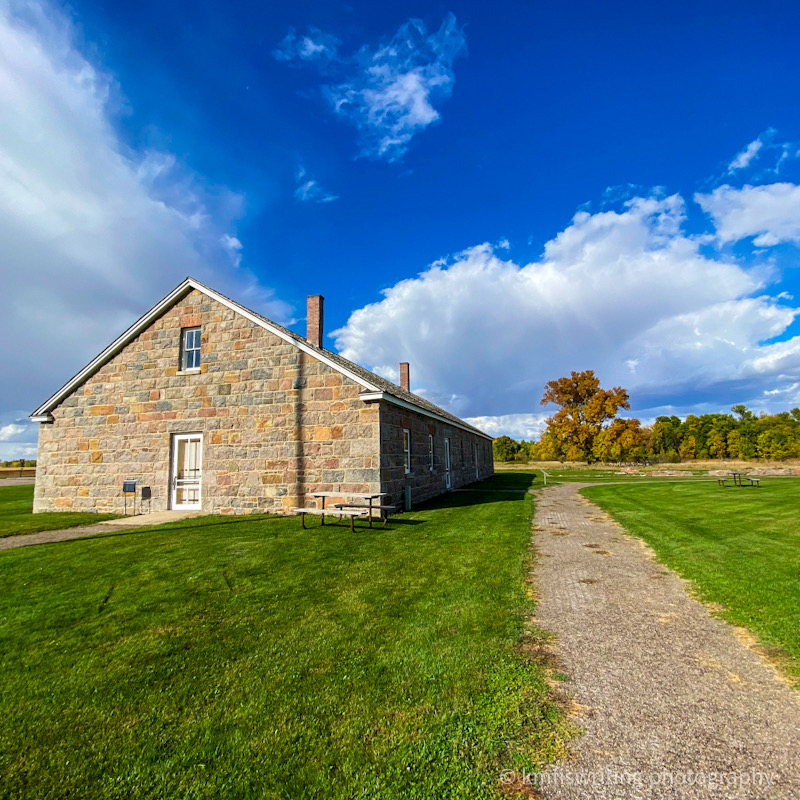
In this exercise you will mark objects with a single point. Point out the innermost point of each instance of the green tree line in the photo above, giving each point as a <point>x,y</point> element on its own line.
<point>741,434</point>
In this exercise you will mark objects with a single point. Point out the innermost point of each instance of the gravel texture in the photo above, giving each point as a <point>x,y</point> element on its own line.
<point>83,531</point>
<point>673,702</point>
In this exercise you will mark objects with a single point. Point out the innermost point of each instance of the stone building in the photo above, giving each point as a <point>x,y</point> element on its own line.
<point>211,406</point>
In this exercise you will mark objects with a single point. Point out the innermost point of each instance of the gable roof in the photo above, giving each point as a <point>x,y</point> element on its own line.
<point>374,386</point>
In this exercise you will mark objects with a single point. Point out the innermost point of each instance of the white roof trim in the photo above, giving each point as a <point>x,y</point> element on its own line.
<point>42,413</point>
<point>368,397</point>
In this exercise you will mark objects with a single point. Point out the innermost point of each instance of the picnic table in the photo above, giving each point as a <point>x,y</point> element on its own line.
<point>366,504</point>
<point>738,479</point>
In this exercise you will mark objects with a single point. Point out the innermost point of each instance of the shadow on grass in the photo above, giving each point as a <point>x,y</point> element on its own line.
<point>500,488</point>
<point>506,488</point>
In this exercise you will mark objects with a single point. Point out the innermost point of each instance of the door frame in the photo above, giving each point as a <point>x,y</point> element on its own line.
<point>173,480</point>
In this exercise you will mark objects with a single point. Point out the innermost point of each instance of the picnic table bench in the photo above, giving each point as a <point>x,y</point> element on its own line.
<point>739,479</point>
<point>351,510</point>
<point>384,508</point>
<point>301,512</point>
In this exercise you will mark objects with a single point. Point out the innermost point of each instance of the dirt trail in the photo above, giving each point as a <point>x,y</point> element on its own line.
<point>82,531</point>
<point>673,703</point>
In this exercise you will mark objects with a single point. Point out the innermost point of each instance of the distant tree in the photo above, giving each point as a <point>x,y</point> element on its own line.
<point>549,447</point>
<point>622,440</point>
<point>672,457</point>
<point>718,444</point>
<point>773,445</point>
<point>688,448</point>
<point>584,409</point>
<point>505,448</point>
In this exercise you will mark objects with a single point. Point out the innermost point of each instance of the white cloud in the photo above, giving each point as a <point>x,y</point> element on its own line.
<point>12,452</point>
<point>308,190</point>
<point>746,156</point>
<point>234,247</point>
<point>517,426</point>
<point>91,233</point>
<point>770,213</point>
<point>628,294</point>
<point>10,431</point>
<point>316,45</point>
<point>388,92</point>
<point>18,436</point>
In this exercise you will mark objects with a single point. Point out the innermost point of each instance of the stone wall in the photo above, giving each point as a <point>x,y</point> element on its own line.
<point>424,482</point>
<point>276,422</point>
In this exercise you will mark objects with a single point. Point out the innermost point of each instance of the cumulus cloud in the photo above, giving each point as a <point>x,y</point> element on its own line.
<point>517,426</point>
<point>91,233</point>
<point>627,293</point>
<point>769,213</point>
<point>389,92</point>
<point>9,431</point>
<point>308,190</point>
<point>18,436</point>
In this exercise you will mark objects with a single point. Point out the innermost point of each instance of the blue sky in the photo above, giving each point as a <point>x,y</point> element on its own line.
<point>498,193</point>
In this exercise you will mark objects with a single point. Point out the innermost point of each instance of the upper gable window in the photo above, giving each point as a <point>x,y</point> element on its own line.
<point>190,349</point>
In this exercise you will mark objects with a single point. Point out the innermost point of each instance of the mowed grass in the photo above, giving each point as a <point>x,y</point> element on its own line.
<point>16,514</point>
<point>739,546</point>
<point>247,658</point>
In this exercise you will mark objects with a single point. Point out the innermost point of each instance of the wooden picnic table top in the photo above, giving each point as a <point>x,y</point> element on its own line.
<point>365,495</point>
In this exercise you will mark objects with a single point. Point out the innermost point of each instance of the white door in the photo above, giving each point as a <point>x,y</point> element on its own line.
<point>447,463</point>
<point>187,477</point>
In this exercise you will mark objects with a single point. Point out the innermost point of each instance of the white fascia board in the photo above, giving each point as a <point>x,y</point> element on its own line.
<point>370,397</point>
<point>42,413</point>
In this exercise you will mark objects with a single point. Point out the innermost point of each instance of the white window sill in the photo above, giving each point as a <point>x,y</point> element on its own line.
<point>193,371</point>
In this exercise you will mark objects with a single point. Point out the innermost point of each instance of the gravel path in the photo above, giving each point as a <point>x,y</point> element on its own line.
<point>672,701</point>
<point>83,531</point>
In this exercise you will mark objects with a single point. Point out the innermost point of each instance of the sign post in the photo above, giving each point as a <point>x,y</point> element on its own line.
<point>129,487</point>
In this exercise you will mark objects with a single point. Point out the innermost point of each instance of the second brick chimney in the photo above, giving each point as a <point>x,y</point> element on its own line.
<point>314,319</point>
<point>405,379</point>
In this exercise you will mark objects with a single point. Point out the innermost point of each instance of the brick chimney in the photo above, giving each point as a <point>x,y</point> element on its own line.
<point>405,380</point>
<point>314,319</point>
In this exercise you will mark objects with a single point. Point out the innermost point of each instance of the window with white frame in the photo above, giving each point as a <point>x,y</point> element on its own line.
<point>430,451</point>
<point>190,349</point>
<point>407,449</point>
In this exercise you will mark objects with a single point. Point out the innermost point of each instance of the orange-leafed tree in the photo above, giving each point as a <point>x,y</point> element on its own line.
<point>584,410</point>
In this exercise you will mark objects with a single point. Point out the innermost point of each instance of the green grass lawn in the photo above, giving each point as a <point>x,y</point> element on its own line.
<point>16,516</point>
<point>740,547</point>
<point>247,658</point>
